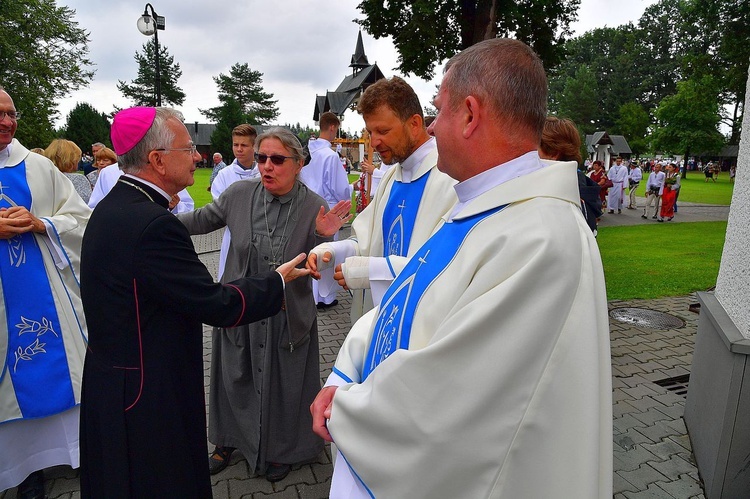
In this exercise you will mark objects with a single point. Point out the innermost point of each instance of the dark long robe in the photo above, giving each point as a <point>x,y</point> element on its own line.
<point>265,375</point>
<point>146,294</point>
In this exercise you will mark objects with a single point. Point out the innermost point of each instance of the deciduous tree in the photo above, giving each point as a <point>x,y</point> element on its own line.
<point>689,120</point>
<point>43,57</point>
<point>426,32</point>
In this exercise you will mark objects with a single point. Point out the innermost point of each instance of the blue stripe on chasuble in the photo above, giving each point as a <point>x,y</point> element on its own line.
<point>36,360</point>
<point>400,213</point>
<point>393,325</point>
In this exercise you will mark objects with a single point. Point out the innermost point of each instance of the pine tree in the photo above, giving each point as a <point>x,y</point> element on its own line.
<point>243,86</point>
<point>142,90</point>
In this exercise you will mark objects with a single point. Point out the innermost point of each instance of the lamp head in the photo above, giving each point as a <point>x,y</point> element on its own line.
<point>146,24</point>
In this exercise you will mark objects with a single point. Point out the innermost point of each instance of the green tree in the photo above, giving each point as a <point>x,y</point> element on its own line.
<point>244,86</point>
<point>43,57</point>
<point>579,100</point>
<point>688,121</point>
<point>425,32</point>
<point>85,125</point>
<point>633,124</point>
<point>142,90</point>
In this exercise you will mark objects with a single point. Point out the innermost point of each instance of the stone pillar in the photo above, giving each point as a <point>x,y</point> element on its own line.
<point>717,410</point>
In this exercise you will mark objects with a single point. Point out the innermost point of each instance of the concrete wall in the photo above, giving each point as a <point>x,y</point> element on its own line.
<point>733,282</point>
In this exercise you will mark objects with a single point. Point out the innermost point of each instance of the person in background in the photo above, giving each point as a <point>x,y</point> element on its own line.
<point>599,176</point>
<point>618,175</point>
<point>325,176</point>
<point>242,168</point>
<point>43,328</point>
<point>102,159</point>
<point>66,155</point>
<point>654,186</point>
<point>562,142</point>
<point>218,166</point>
<point>669,193</point>
<point>634,179</point>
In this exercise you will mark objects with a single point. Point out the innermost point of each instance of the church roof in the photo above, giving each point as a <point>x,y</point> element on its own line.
<point>616,143</point>
<point>351,87</point>
<point>359,58</point>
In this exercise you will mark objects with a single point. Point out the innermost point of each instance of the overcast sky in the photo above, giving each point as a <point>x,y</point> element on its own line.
<point>302,47</point>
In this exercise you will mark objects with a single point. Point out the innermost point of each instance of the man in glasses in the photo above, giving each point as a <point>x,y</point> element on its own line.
<point>325,176</point>
<point>242,168</point>
<point>407,206</point>
<point>42,221</point>
<point>143,392</point>
<point>485,372</point>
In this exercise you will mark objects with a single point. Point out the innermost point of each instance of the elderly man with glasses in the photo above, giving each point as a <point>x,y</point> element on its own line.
<point>42,221</point>
<point>142,394</point>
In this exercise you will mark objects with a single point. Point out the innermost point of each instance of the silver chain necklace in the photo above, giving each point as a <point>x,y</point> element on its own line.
<point>276,255</point>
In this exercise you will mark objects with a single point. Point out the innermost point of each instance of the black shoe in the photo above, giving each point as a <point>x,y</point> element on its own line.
<point>324,306</point>
<point>644,216</point>
<point>219,459</point>
<point>277,472</point>
<point>32,487</point>
<point>619,212</point>
<point>611,211</point>
<point>659,219</point>
<point>654,217</point>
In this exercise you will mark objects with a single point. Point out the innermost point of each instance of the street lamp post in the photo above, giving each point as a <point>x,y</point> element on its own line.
<point>150,25</point>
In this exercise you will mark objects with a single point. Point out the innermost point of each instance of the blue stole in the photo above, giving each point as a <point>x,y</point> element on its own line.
<point>36,359</point>
<point>396,314</point>
<point>400,214</point>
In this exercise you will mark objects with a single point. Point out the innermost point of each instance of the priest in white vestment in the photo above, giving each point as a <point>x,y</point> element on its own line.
<point>406,207</point>
<point>485,371</point>
<point>43,331</point>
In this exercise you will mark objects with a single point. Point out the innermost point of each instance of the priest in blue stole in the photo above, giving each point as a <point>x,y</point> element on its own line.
<point>485,371</point>
<point>405,209</point>
<point>43,340</point>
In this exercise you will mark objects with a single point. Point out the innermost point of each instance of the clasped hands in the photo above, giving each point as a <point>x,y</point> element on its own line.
<point>18,220</point>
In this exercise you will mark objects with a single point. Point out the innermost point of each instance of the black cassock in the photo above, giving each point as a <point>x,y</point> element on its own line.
<point>146,295</point>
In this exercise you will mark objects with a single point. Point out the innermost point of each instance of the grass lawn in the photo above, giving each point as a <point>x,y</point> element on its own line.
<point>198,190</point>
<point>695,189</point>
<point>652,261</point>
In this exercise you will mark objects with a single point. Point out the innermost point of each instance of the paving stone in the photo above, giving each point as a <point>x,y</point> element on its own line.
<point>622,407</point>
<point>652,492</point>
<point>625,422</point>
<point>642,477</point>
<point>658,431</point>
<point>684,486</point>
<point>650,417</point>
<point>673,467</point>
<point>665,449</point>
<point>640,391</point>
<point>645,403</point>
<point>289,492</point>
<point>317,491</point>
<point>619,485</point>
<point>625,461</point>
<point>673,411</point>
<point>632,435</point>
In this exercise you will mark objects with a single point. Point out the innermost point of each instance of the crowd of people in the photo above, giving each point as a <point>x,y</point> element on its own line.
<point>478,357</point>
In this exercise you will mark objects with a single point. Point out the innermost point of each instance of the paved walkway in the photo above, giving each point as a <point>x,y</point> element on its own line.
<point>686,212</point>
<point>652,453</point>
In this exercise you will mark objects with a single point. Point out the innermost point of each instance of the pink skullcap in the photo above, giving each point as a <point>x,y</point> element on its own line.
<point>129,126</point>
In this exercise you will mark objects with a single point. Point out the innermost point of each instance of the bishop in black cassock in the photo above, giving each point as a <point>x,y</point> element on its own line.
<point>146,295</point>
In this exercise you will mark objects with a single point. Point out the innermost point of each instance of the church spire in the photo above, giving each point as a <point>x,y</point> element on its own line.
<point>359,59</point>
